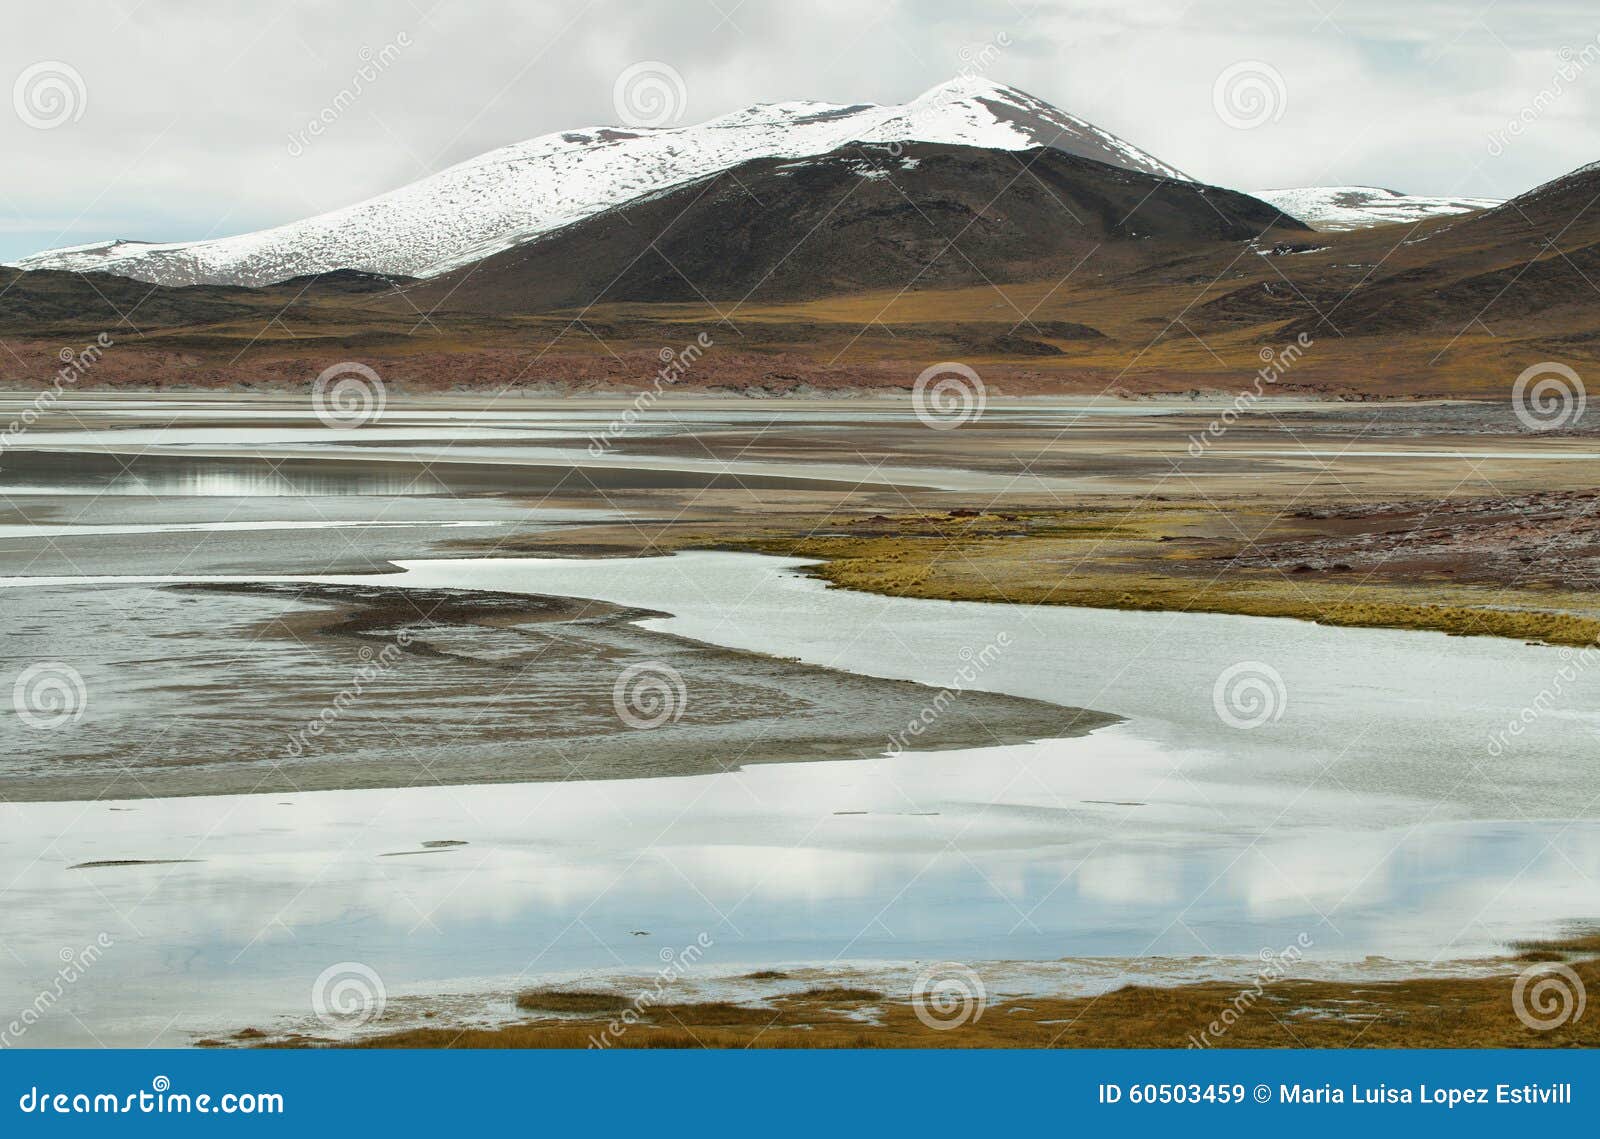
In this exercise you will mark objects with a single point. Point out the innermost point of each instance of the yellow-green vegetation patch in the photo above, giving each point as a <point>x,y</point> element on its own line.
<point>1147,558</point>
<point>842,995</point>
<point>572,1001</point>
<point>1452,1011</point>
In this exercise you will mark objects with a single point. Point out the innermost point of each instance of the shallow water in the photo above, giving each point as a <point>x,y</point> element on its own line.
<point>101,530</point>
<point>236,434</point>
<point>1379,802</point>
<point>972,857</point>
<point>1367,818</point>
<point>1410,720</point>
<point>46,535</point>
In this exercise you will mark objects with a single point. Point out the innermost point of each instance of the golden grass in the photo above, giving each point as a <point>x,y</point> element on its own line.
<point>1453,1012</point>
<point>1126,310</point>
<point>824,994</point>
<point>1149,558</point>
<point>1560,948</point>
<point>571,1000</point>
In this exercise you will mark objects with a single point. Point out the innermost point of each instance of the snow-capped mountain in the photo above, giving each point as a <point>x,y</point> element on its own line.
<point>1334,208</point>
<point>861,218</point>
<point>510,195</point>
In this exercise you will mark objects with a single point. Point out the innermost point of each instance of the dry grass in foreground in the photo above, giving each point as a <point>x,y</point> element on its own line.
<point>1458,1012</point>
<point>1351,571</point>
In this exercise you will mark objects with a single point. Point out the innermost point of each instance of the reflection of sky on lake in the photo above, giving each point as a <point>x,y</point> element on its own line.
<point>545,435</point>
<point>1368,817</point>
<point>556,878</point>
<point>1404,719</point>
<point>216,478</point>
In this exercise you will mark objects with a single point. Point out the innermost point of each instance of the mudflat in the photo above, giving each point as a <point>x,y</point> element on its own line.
<point>236,688</point>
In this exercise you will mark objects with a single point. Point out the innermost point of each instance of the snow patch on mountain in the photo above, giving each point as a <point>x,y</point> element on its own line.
<point>1334,208</point>
<point>513,194</point>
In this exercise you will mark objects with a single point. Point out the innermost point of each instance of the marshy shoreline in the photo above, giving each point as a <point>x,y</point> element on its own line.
<point>1531,998</point>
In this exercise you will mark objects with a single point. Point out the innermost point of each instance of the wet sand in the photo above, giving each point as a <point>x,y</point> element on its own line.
<point>237,689</point>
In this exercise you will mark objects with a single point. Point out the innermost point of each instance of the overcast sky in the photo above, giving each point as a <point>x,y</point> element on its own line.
<point>182,125</point>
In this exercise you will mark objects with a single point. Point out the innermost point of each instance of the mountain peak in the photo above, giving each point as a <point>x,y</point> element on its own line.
<point>966,86</point>
<point>516,193</point>
<point>1008,118</point>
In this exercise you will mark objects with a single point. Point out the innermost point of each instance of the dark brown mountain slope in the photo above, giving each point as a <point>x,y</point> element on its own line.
<point>1144,287</point>
<point>916,216</point>
<point>48,301</point>
<point>1532,263</point>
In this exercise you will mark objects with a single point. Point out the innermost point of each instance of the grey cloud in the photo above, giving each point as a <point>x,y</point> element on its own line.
<point>191,108</point>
